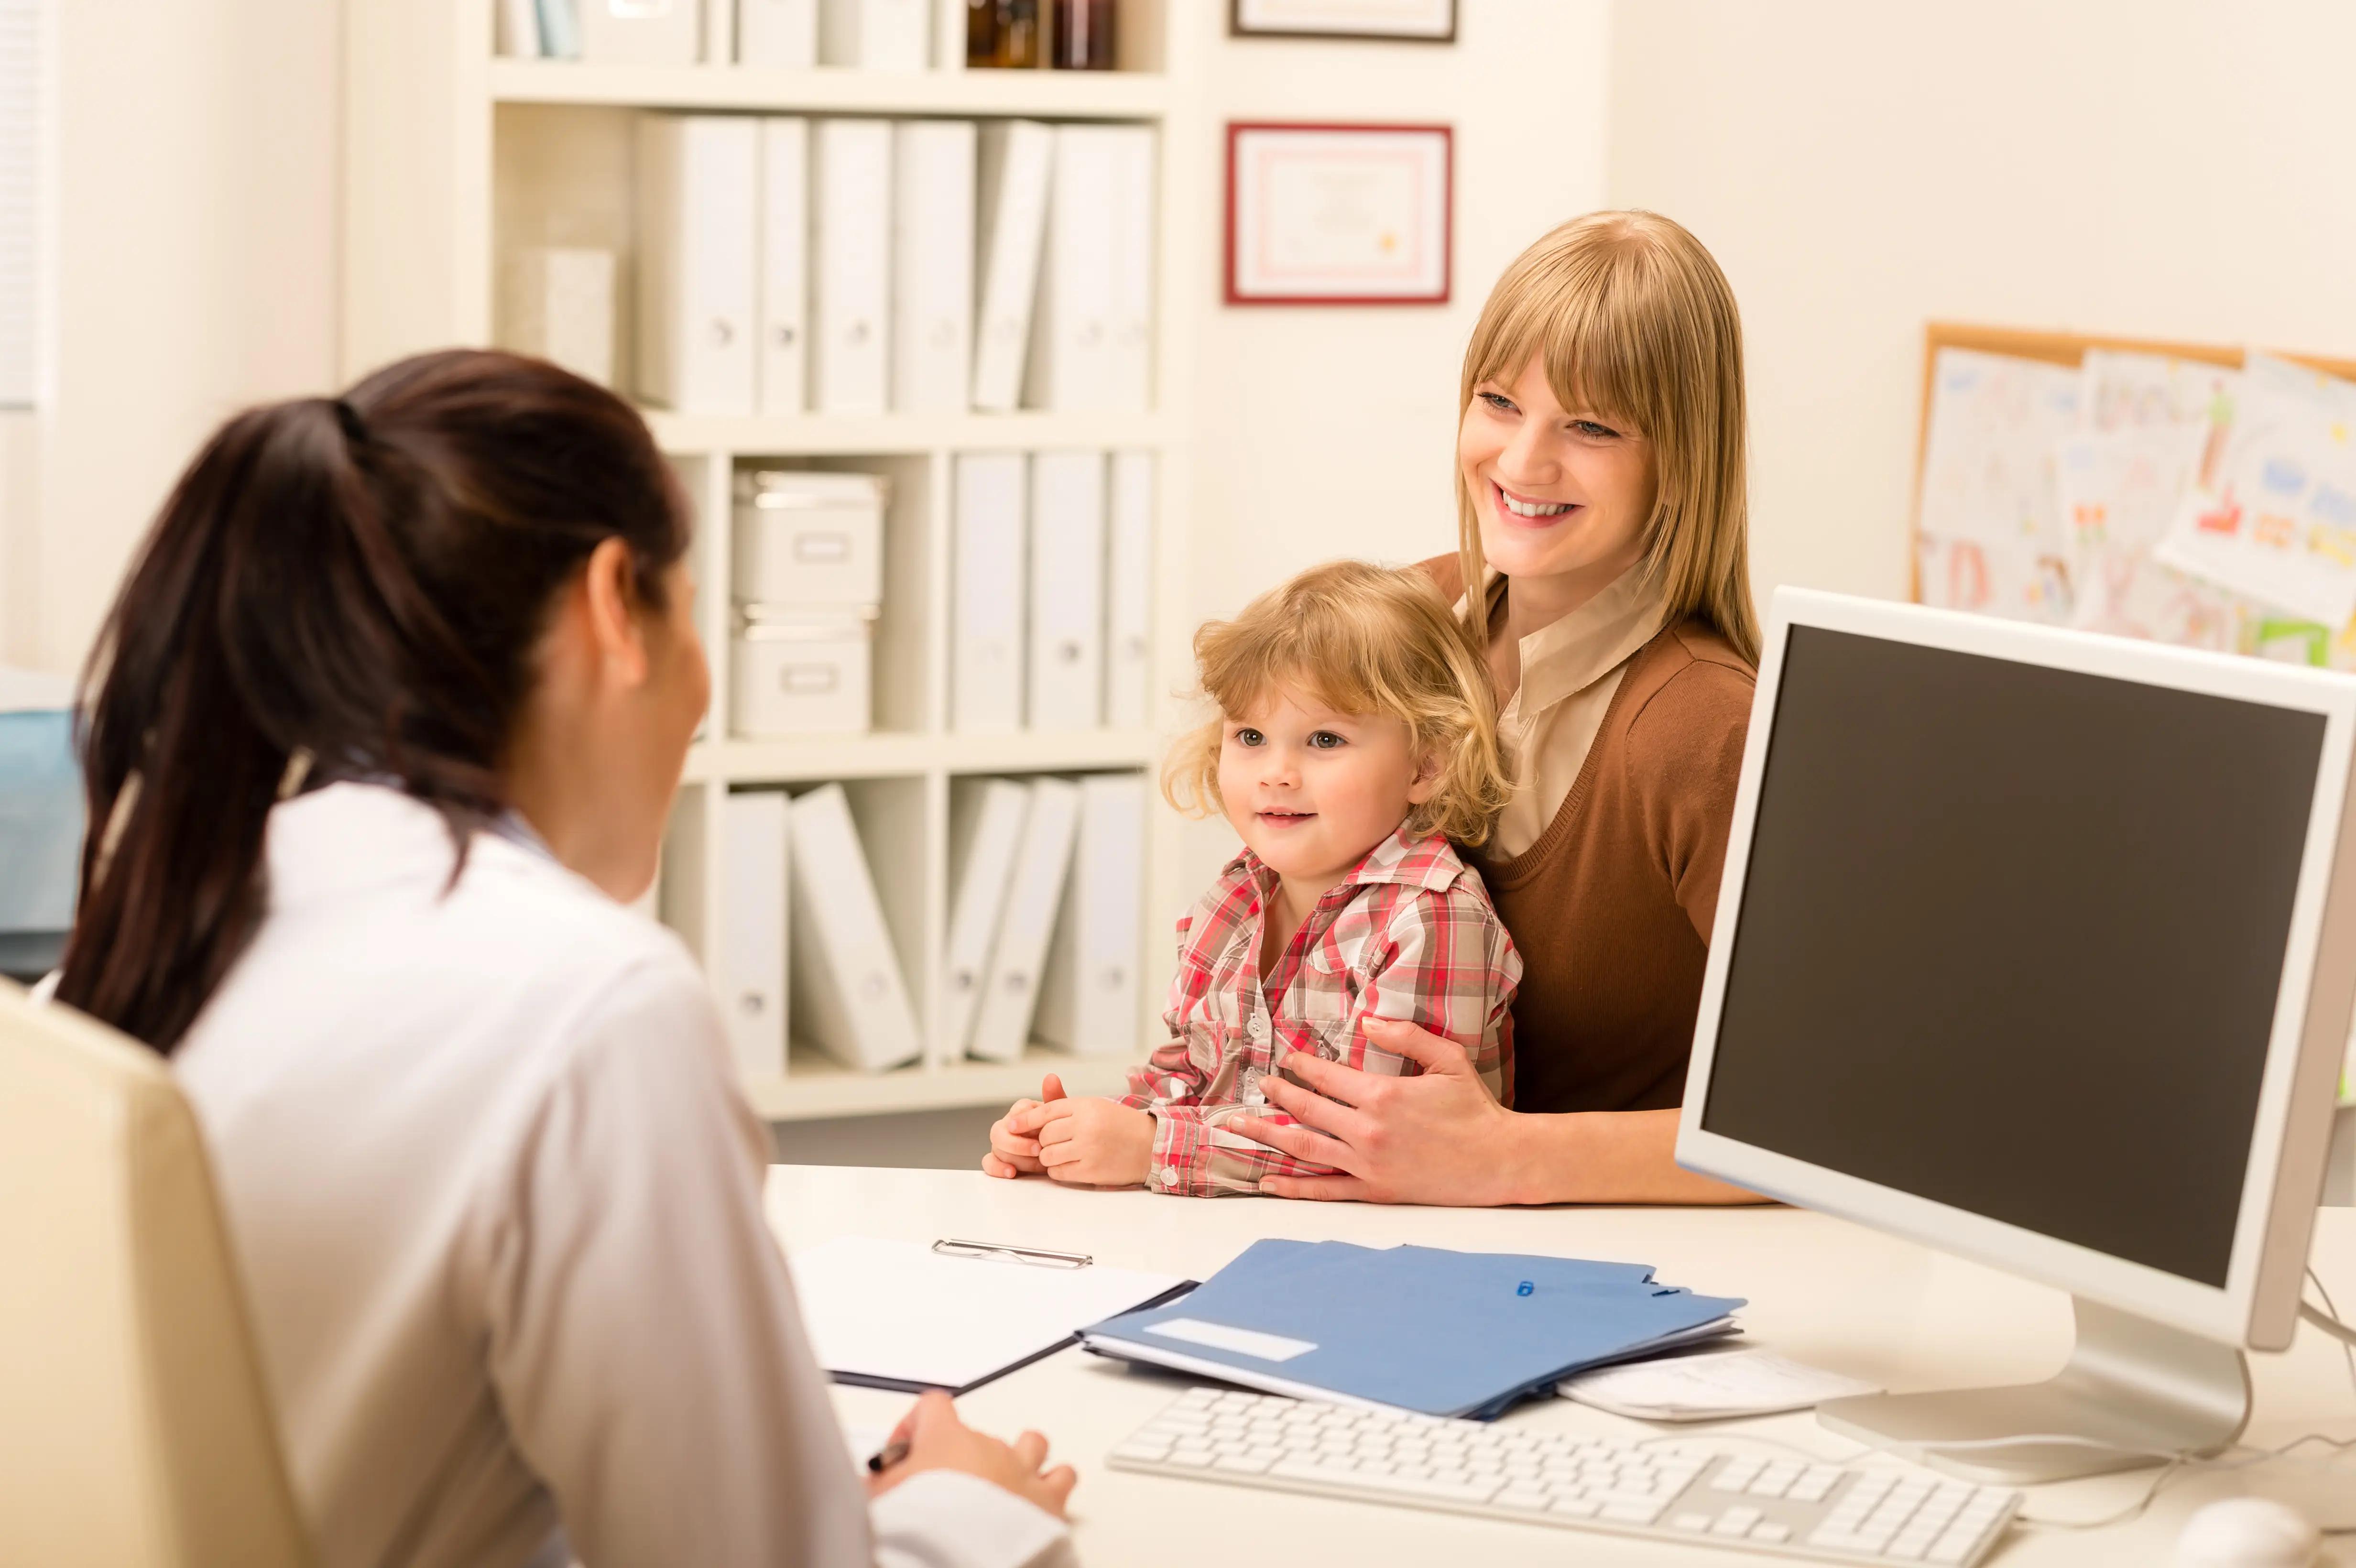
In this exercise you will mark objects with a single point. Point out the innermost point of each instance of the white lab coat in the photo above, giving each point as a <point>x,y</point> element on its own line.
<point>498,1203</point>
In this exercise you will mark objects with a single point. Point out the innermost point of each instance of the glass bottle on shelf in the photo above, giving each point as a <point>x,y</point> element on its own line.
<point>1003,34</point>
<point>1083,35</point>
<point>980,32</point>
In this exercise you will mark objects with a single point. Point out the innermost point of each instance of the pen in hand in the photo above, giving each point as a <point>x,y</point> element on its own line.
<point>891,1454</point>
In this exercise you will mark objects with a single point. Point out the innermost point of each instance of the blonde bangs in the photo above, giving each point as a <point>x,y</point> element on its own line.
<point>1569,319</point>
<point>1633,322</point>
<point>1358,639</point>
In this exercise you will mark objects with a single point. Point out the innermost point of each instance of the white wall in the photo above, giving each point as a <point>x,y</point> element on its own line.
<point>196,274</point>
<point>2161,168</point>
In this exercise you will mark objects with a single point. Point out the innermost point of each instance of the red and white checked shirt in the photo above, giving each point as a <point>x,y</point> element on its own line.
<point>1408,935</point>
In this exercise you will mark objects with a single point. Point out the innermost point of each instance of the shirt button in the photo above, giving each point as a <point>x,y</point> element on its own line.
<point>1170,1176</point>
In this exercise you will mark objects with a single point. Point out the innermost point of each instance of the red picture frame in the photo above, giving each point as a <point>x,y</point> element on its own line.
<point>1249,285</point>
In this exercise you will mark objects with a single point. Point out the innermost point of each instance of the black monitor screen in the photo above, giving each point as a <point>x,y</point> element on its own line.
<point>2010,939</point>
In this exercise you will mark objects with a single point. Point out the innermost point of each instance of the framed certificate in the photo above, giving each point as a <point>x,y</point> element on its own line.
<point>1419,21</point>
<point>1339,214</point>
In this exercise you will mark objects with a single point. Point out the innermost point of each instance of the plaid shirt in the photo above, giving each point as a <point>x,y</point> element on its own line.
<point>1408,935</point>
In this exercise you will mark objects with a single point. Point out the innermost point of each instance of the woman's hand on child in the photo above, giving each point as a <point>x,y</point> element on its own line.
<point>1437,1137</point>
<point>1013,1152</point>
<point>1092,1142</point>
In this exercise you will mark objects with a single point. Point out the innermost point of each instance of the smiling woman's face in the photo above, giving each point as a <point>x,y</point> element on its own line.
<point>1561,493</point>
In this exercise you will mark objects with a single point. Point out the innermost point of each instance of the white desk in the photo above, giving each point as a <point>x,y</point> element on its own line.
<point>1820,1290</point>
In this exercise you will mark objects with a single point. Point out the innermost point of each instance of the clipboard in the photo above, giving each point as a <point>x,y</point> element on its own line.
<point>957,1314</point>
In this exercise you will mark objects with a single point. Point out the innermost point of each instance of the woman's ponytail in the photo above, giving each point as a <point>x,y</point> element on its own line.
<point>337,588</point>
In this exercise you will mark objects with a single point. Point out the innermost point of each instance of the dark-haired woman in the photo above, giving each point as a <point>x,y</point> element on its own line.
<point>385,722</point>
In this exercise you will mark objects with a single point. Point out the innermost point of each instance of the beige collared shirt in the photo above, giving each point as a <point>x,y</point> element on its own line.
<point>1570,667</point>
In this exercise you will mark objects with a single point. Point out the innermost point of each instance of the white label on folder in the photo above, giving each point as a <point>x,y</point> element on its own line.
<point>1242,1342</point>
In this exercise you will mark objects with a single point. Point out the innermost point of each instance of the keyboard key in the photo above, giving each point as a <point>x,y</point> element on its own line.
<point>1631,1511</point>
<point>1736,1474</point>
<point>1521,1498</point>
<point>1693,1522</point>
<point>1889,1516</point>
<point>1139,1450</point>
<point>1815,1485</point>
<point>1771,1534</point>
<point>1241,1464</point>
<point>1577,1507</point>
<point>1736,1522</point>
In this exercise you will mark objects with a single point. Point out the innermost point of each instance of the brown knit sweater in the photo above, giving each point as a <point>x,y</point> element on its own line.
<point>1611,907</point>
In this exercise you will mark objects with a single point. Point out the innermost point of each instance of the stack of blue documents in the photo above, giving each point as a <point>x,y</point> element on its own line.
<point>1420,1328</point>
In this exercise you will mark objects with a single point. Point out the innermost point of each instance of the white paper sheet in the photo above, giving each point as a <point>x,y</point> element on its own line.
<point>2272,513</point>
<point>1988,461</point>
<point>2130,392</point>
<point>863,1443</point>
<point>2014,579</point>
<point>900,1312</point>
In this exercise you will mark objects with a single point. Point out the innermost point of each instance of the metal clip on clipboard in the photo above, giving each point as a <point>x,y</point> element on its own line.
<point>1038,1258</point>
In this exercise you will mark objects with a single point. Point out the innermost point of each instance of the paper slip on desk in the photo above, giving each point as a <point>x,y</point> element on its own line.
<point>953,1316</point>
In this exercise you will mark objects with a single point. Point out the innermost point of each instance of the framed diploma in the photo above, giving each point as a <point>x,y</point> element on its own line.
<point>1419,21</point>
<point>1339,214</point>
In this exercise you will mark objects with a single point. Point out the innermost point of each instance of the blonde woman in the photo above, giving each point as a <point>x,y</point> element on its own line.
<point>1601,513</point>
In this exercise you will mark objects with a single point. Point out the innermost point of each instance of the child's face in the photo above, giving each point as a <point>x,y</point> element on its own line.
<point>1311,790</point>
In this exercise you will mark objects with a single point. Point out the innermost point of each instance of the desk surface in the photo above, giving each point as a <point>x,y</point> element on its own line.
<point>1821,1290</point>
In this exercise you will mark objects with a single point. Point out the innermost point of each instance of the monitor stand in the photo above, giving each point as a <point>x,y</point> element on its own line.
<point>2129,1380</point>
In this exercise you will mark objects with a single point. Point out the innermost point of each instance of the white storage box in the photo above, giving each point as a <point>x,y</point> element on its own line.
<point>802,673</point>
<point>559,307</point>
<point>807,539</point>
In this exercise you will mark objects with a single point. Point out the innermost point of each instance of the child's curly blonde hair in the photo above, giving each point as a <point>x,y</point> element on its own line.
<point>1359,639</point>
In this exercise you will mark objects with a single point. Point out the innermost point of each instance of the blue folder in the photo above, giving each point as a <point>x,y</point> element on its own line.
<point>1420,1328</point>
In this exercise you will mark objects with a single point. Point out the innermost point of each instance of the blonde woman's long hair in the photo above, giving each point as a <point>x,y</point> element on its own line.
<point>1633,319</point>
<point>1360,639</point>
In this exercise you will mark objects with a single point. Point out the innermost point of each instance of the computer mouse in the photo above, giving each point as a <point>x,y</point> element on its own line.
<point>2248,1533</point>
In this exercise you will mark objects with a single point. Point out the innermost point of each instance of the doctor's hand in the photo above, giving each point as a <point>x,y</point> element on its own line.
<point>1013,1153</point>
<point>1434,1138</point>
<point>938,1440</point>
<point>1092,1142</point>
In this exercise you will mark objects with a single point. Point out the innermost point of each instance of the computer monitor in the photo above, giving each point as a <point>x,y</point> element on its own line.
<point>2038,947</point>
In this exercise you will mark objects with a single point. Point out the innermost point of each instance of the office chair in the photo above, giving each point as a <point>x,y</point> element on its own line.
<point>136,1431</point>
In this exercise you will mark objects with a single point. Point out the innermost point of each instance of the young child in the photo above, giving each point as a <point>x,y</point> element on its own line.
<point>1358,735</point>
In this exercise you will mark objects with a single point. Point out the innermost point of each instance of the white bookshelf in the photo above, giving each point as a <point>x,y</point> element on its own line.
<point>452,157</point>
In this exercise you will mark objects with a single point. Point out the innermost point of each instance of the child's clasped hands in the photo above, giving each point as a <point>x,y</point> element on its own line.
<point>1086,1142</point>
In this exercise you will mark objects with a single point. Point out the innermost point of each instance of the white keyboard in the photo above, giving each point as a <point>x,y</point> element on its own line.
<point>1691,1491</point>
